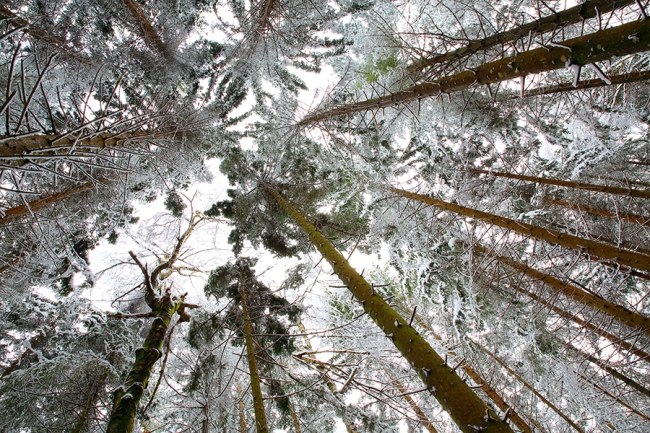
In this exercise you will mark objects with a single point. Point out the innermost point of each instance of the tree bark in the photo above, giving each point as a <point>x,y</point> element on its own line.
<point>414,406</point>
<point>256,388</point>
<point>527,385</point>
<point>588,9</point>
<point>90,405</point>
<point>622,314</point>
<point>617,399</point>
<point>242,410</point>
<point>18,211</point>
<point>614,190</point>
<point>127,397</point>
<point>151,36</point>
<point>633,218</point>
<point>606,252</point>
<point>626,39</point>
<point>294,417</point>
<point>466,409</point>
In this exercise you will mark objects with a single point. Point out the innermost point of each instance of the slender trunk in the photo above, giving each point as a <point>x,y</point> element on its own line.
<point>467,410</point>
<point>617,341</point>
<point>256,388</point>
<point>18,211</point>
<point>242,410</point>
<point>127,397</point>
<point>622,314</point>
<point>294,417</point>
<point>583,85</point>
<point>265,14</point>
<point>496,398</point>
<point>90,405</point>
<point>527,385</point>
<point>618,400</point>
<point>614,190</point>
<point>588,9</point>
<point>151,36</point>
<point>618,41</point>
<point>39,34</point>
<point>328,381</point>
<point>607,252</point>
<point>414,406</point>
<point>22,146</point>
<point>603,365</point>
<point>633,218</point>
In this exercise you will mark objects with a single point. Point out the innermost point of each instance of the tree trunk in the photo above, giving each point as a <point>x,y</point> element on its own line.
<point>22,146</point>
<point>527,385</point>
<point>466,409</point>
<point>242,410</point>
<point>618,41</point>
<point>18,211</point>
<point>127,397</point>
<point>622,314</point>
<point>496,398</point>
<point>256,388</point>
<point>614,190</point>
<point>617,399</point>
<point>90,405</point>
<point>151,36</point>
<point>588,9</point>
<point>631,77</point>
<point>607,252</point>
<point>609,369</point>
<point>294,417</point>
<point>414,406</point>
<point>586,324</point>
<point>633,218</point>
<point>39,34</point>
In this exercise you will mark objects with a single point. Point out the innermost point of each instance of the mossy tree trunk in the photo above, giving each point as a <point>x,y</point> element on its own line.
<point>256,388</point>
<point>607,252</point>
<point>466,409</point>
<point>618,41</point>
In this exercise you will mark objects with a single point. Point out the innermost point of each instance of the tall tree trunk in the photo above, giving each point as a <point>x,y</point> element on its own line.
<point>127,397</point>
<point>242,410</point>
<point>496,398</point>
<point>151,36</point>
<point>617,341</point>
<point>633,218</point>
<point>34,205</point>
<point>90,404</point>
<point>631,77</point>
<point>21,146</point>
<point>39,34</point>
<point>466,409</point>
<point>618,41</point>
<point>424,420</point>
<point>256,388</point>
<point>622,314</point>
<point>614,190</point>
<point>607,252</point>
<point>588,9</point>
<point>617,399</point>
<point>527,385</point>
<point>603,365</point>
<point>294,417</point>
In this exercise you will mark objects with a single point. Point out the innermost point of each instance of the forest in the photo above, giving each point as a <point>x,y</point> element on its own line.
<point>345,216</point>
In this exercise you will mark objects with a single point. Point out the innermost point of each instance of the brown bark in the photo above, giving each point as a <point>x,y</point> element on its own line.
<point>618,400</point>
<point>35,205</point>
<point>466,409</point>
<point>412,403</point>
<point>606,252</point>
<point>588,9</point>
<point>527,385</point>
<point>622,314</point>
<point>256,388</point>
<point>39,34</point>
<point>614,190</point>
<point>633,218</point>
<point>151,36</point>
<point>631,77</point>
<point>626,39</point>
<point>294,417</point>
<point>242,410</point>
